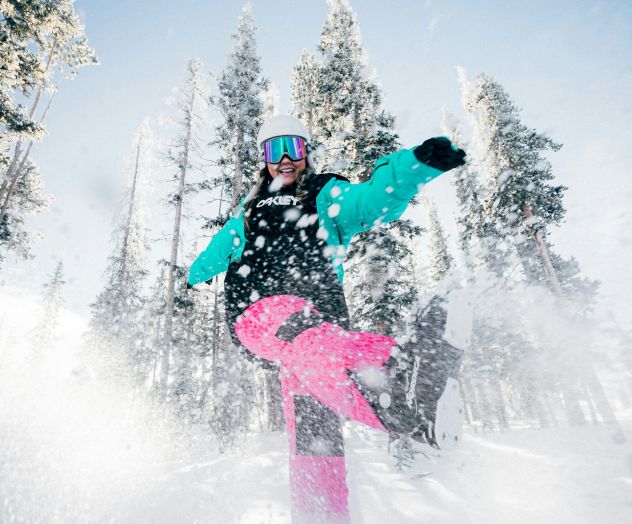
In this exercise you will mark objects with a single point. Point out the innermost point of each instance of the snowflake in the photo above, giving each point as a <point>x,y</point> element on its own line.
<point>333,211</point>
<point>244,270</point>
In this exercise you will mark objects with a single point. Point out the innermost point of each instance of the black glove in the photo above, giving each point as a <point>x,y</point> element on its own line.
<point>440,153</point>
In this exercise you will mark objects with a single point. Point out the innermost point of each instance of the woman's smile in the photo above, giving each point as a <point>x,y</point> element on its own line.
<point>288,169</point>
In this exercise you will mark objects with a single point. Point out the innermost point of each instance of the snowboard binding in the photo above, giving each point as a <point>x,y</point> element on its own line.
<point>422,396</point>
<point>434,362</point>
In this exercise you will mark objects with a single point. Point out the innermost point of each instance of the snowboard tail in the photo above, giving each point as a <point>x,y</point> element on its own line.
<point>422,396</point>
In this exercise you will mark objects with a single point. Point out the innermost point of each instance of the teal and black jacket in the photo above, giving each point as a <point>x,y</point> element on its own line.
<point>343,210</point>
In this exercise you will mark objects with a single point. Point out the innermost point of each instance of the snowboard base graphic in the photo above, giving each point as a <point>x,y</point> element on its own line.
<point>450,416</point>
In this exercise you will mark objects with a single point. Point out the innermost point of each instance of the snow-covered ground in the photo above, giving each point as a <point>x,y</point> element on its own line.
<point>73,451</point>
<point>557,475</point>
<point>527,476</point>
<point>576,476</point>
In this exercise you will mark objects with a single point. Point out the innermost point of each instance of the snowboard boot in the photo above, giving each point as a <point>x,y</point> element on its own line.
<point>421,396</point>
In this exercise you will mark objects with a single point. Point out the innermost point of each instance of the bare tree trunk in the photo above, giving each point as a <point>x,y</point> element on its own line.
<point>275,400</point>
<point>499,404</point>
<point>156,359</point>
<point>574,413</point>
<point>550,412</point>
<point>13,174</point>
<point>170,296</point>
<point>484,405</point>
<point>591,405</point>
<point>469,401</point>
<point>130,209</point>
<point>212,368</point>
<point>533,402</point>
<point>261,399</point>
<point>603,406</point>
<point>8,175</point>
<point>238,179</point>
<point>216,329</point>
<point>544,253</point>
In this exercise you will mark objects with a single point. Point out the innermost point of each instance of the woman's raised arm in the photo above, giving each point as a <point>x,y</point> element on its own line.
<point>396,179</point>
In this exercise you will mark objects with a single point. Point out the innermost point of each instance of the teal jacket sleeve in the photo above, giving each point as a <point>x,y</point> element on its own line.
<point>396,179</point>
<point>225,246</point>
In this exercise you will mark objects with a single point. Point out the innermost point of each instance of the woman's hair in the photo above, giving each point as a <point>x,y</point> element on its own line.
<point>264,178</point>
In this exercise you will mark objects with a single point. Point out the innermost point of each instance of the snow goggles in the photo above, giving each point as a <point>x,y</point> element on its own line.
<point>292,146</point>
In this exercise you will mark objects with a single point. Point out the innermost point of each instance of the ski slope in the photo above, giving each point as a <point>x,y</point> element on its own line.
<point>521,476</point>
<point>524,476</point>
<point>72,451</point>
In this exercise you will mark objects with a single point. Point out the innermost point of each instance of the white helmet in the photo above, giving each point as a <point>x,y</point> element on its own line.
<point>280,125</point>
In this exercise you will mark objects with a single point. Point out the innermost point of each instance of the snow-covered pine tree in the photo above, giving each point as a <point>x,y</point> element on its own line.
<point>151,323</point>
<point>341,86</point>
<point>494,348</point>
<point>271,101</point>
<point>184,155</point>
<point>22,24</point>
<point>498,359</point>
<point>522,198</point>
<point>42,43</point>
<point>191,342</point>
<point>483,248</point>
<point>242,98</point>
<point>241,88</point>
<point>355,131</point>
<point>43,335</point>
<point>28,199</point>
<point>305,90</point>
<point>523,206</point>
<point>440,259</point>
<point>523,203</point>
<point>470,215</point>
<point>115,339</point>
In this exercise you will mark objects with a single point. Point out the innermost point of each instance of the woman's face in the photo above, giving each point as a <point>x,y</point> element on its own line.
<point>288,169</point>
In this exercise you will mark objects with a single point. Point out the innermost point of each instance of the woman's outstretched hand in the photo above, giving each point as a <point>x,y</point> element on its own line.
<point>439,153</point>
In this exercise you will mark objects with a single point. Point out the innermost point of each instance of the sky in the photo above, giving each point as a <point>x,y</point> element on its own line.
<point>567,64</point>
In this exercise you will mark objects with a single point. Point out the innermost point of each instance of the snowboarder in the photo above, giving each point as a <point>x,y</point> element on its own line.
<point>283,251</point>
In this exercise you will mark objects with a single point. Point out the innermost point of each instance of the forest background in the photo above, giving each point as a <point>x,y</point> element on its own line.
<point>566,65</point>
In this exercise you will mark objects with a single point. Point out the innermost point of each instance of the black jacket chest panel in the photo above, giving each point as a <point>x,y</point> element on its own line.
<point>279,213</point>
<point>284,224</point>
<point>283,254</point>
